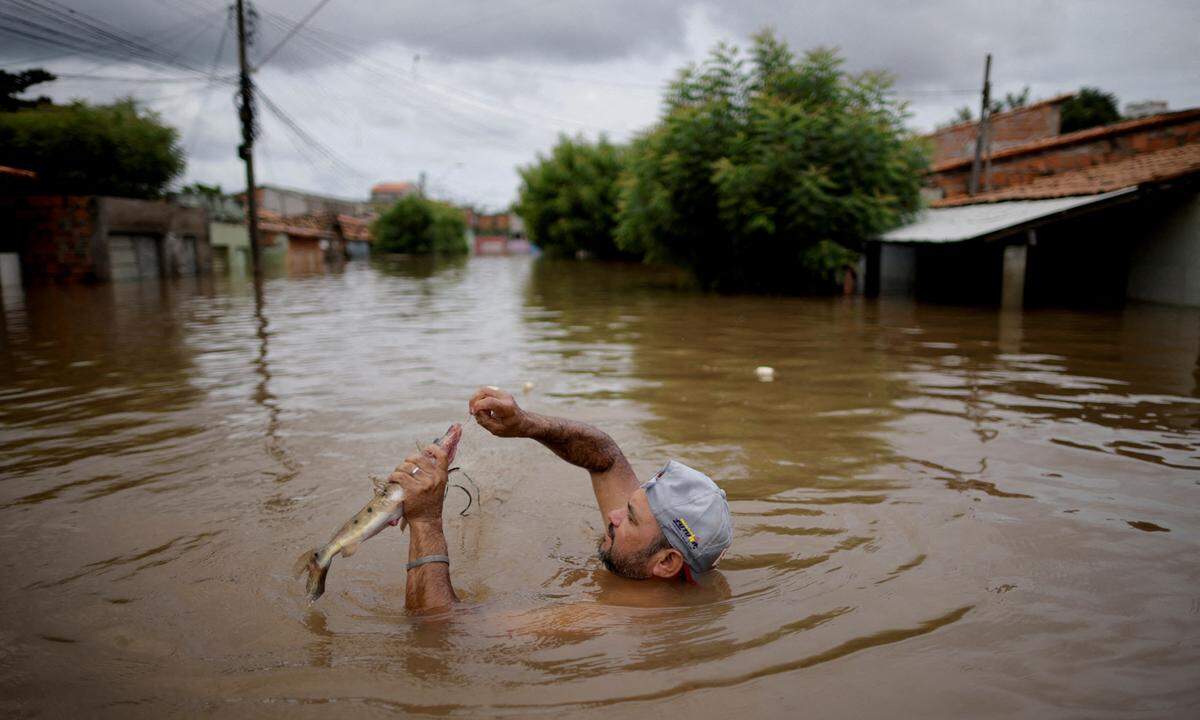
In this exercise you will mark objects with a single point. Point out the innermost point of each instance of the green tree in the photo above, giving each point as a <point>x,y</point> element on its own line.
<point>1088,108</point>
<point>13,84</point>
<point>119,149</point>
<point>569,199</point>
<point>420,226</point>
<point>1012,101</point>
<point>759,175</point>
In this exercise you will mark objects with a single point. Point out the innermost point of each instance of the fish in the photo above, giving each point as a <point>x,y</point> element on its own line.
<point>386,509</point>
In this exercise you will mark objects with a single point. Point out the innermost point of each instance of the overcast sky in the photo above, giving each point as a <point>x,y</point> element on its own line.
<point>466,90</point>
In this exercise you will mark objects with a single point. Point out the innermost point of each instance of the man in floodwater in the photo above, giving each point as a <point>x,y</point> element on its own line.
<point>672,527</point>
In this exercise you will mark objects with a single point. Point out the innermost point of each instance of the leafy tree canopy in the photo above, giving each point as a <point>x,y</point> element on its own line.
<point>761,171</point>
<point>569,199</point>
<point>13,84</point>
<point>1089,108</point>
<point>199,188</point>
<point>420,226</point>
<point>119,149</point>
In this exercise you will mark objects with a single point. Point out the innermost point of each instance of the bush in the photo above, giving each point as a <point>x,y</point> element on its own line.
<point>80,149</point>
<point>569,199</point>
<point>759,176</point>
<point>419,226</point>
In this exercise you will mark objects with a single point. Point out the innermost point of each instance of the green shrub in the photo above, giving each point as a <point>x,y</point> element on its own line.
<point>420,226</point>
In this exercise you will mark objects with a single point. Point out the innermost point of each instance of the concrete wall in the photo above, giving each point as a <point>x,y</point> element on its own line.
<point>897,269</point>
<point>1164,265</point>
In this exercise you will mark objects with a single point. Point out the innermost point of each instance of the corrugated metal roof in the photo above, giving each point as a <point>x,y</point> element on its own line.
<point>968,222</point>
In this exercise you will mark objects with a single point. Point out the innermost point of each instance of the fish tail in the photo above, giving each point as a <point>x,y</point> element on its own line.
<point>310,562</point>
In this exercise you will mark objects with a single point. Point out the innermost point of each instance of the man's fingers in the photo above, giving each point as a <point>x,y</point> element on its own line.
<point>487,391</point>
<point>492,404</point>
<point>488,422</point>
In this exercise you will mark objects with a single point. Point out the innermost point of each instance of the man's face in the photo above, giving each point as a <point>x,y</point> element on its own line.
<point>632,539</point>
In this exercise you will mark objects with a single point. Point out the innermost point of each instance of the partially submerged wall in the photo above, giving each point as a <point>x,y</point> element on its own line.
<point>1164,267</point>
<point>71,238</point>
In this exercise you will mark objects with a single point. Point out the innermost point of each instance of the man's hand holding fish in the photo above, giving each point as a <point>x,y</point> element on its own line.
<point>423,477</point>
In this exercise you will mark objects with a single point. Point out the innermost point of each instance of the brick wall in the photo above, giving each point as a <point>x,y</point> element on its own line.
<point>1092,147</point>
<point>66,238</point>
<point>56,236</point>
<point>1009,129</point>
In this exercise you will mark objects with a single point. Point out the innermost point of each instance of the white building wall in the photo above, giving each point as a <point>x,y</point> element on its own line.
<point>1165,264</point>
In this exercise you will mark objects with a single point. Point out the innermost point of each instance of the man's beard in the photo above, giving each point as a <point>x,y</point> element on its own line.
<point>633,567</point>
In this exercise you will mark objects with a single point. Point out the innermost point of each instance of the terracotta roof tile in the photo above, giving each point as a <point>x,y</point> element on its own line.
<point>356,228</point>
<point>396,187</point>
<point>315,225</point>
<point>17,172</point>
<point>1078,136</point>
<point>1149,167</point>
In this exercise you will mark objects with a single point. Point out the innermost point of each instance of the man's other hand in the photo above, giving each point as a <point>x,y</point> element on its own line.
<point>424,489</point>
<point>498,413</point>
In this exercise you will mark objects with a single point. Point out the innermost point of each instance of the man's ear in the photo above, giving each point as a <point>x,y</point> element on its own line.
<point>668,564</point>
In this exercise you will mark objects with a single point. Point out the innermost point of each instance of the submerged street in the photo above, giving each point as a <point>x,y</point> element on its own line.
<point>940,510</point>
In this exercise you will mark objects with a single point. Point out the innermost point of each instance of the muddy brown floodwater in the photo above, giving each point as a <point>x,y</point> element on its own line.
<point>940,512</point>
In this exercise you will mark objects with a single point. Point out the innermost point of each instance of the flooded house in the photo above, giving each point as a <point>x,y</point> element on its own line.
<point>356,235</point>
<point>497,234</point>
<point>387,193</point>
<point>71,238</point>
<point>303,232</point>
<point>1095,217</point>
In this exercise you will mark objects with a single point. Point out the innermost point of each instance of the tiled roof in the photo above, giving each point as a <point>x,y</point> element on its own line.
<point>1147,168</point>
<point>396,187</point>
<point>1079,136</point>
<point>355,228</point>
<point>17,172</point>
<point>319,225</point>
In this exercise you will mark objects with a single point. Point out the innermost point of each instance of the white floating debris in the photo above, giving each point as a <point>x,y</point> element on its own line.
<point>527,386</point>
<point>764,373</point>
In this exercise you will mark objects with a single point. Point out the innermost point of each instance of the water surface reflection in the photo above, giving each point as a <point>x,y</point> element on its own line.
<point>943,511</point>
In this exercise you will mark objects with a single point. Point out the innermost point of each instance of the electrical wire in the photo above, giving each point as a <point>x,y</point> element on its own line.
<point>291,33</point>
<point>55,23</point>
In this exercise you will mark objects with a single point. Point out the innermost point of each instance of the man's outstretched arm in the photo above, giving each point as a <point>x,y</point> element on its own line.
<point>580,444</point>
<point>428,585</point>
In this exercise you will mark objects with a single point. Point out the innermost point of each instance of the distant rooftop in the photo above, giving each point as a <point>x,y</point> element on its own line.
<point>393,187</point>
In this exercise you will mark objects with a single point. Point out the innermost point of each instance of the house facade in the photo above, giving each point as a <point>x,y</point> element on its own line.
<point>1091,218</point>
<point>105,239</point>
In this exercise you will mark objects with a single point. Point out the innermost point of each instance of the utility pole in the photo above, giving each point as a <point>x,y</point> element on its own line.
<point>246,149</point>
<point>984,124</point>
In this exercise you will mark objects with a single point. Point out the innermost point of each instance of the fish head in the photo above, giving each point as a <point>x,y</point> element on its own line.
<point>449,441</point>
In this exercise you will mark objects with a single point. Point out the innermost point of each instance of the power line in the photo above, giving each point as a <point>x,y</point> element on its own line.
<point>291,33</point>
<point>51,23</point>
<point>190,138</point>
<point>68,22</point>
<point>324,150</point>
<point>127,79</point>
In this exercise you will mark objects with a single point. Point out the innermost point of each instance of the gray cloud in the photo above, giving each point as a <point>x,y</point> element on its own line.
<point>466,91</point>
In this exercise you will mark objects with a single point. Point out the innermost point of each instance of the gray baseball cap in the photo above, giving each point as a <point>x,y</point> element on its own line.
<point>692,512</point>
